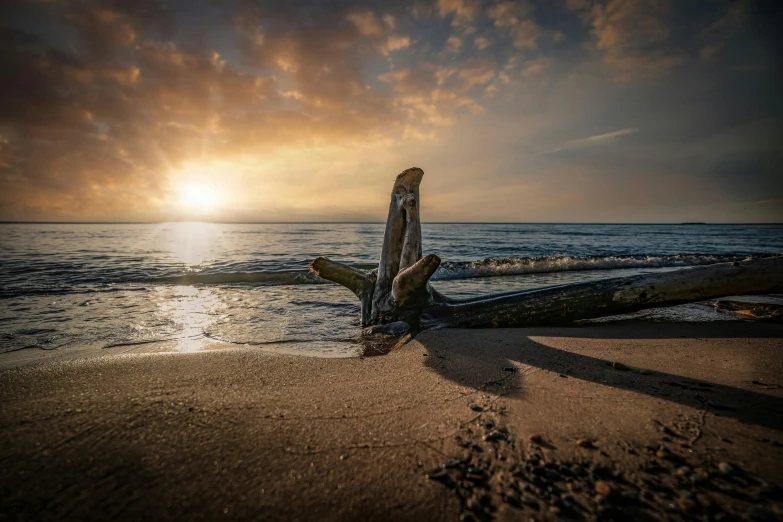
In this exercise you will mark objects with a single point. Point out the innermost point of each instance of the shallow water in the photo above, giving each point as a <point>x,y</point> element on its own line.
<point>187,285</point>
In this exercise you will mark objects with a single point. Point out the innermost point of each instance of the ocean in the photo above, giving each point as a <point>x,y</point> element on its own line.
<point>119,288</point>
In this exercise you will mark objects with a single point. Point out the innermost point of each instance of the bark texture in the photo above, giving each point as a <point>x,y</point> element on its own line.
<point>401,240</point>
<point>568,303</point>
<point>359,282</point>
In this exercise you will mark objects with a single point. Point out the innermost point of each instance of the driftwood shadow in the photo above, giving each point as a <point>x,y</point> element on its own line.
<point>455,354</point>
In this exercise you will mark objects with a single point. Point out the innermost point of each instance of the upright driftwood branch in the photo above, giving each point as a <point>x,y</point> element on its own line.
<point>399,299</point>
<point>411,245</point>
<point>401,239</point>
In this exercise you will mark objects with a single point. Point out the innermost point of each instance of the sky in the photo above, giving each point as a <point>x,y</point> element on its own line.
<point>559,111</point>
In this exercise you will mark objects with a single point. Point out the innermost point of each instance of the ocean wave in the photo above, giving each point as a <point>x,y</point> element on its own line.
<point>506,266</point>
<point>451,270</point>
<point>282,277</point>
<point>295,272</point>
<point>27,291</point>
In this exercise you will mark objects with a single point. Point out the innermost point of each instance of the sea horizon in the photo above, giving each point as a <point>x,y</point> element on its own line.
<point>381,222</point>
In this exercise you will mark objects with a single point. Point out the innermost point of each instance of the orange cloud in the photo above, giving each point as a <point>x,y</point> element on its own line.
<point>463,10</point>
<point>289,108</point>
<point>514,19</point>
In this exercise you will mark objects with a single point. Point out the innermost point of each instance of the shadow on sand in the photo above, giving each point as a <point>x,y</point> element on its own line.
<point>482,358</point>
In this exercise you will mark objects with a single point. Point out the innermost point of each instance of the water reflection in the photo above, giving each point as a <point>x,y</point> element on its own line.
<point>100,287</point>
<point>317,320</point>
<point>191,242</point>
<point>188,312</point>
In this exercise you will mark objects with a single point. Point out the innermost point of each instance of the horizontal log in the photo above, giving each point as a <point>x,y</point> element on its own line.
<point>568,303</point>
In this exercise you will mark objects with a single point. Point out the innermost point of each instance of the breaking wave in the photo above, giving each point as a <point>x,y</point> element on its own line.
<point>506,266</point>
<point>451,270</point>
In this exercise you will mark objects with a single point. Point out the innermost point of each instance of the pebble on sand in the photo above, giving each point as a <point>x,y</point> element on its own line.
<point>663,453</point>
<point>686,504</point>
<point>473,504</point>
<point>697,478</point>
<point>529,501</point>
<point>725,468</point>
<point>683,471</point>
<point>439,475</point>
<point>511,497</point>
<point>603,488</point>
<point>495,435</point>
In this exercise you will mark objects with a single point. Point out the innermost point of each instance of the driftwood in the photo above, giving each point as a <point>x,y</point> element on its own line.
<point>399,299</point>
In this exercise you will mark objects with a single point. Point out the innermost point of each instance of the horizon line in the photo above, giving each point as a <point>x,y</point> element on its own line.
<point>10,222</point>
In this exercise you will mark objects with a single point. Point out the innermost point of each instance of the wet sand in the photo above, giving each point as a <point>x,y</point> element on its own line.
<point>686,423</point>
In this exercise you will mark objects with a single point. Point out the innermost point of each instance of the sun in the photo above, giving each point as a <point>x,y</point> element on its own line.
<point>198,196</point>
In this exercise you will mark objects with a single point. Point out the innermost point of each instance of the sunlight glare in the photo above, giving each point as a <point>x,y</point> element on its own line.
<point>199,188</point>
<point>198,196</point>
<point>191,242</point>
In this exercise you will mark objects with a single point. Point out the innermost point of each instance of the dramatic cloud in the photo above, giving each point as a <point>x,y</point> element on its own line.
<point>108,108</point>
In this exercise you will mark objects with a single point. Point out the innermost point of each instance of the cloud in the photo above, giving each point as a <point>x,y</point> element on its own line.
<point>463,11</point>
<point>730,23</point>
<point>101,126</point>
<point>632,36</point>
<point>83,137</point>
<point>421,94</point>
<point>535,67</point>
<point>322,56</point>
<point>517,72</point>
<point>609,135</point>
<point>105,104</point>
<point>453,44</point>
<point>83,134</point>
<point>593,140</point>
<point>478,71</point>
<point>105,27</point>
<point>395,43</point>
<point>513,18</point>
<point>481,43</point>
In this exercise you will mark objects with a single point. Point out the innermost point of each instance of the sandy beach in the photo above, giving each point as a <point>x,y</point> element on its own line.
<point>427,260</point>
<point>616,421</point>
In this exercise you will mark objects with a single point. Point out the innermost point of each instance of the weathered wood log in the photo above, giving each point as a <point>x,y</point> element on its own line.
<point>401,239</point>
<point>413,280</point>
<point>568,303</point>
<point>400,299</point>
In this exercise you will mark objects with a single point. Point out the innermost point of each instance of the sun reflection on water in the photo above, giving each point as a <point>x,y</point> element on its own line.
<point>191,242</point>
<point>188,312</point>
